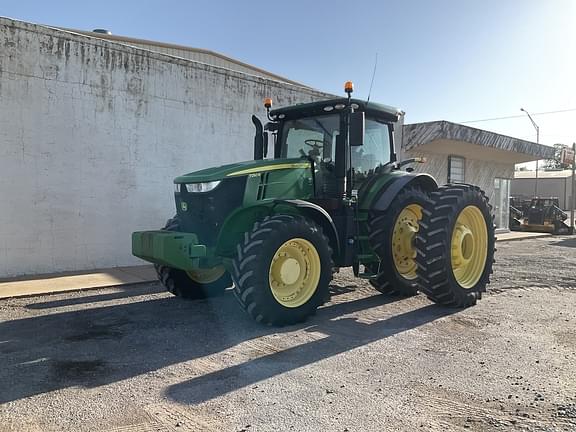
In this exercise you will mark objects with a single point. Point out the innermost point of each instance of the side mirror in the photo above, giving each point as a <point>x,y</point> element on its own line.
<point>356,132</point>
<point>258,138</point>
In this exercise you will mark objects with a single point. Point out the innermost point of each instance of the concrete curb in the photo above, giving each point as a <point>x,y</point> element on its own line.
<point>58,283</point>
<point>516,236</point>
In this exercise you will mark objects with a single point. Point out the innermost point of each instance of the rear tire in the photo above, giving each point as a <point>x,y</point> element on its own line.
<point>396,272</point>
<point>455,245</point>
<point>192,285</point>
<point>282,270</point>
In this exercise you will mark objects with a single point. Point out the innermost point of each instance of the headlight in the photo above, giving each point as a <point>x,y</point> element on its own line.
<point>202,187</point>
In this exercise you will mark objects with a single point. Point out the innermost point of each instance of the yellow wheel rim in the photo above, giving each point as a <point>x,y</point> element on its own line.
<point>206,276</point>
<point>294,272</point>
<point>469,247</point>
<point>403,250</point>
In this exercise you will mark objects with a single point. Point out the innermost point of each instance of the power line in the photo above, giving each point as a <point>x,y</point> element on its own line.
<point>518,116</point>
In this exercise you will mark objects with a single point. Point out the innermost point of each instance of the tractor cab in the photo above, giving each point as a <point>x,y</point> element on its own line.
<point>346,140</point>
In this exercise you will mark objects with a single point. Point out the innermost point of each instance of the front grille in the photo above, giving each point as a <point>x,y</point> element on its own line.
<point>205,212</point>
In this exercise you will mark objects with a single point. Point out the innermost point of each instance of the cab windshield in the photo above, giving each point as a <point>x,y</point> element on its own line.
<point>310,137</point>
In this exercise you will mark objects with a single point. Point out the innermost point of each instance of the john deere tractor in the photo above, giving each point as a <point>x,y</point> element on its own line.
<point>332,195</point>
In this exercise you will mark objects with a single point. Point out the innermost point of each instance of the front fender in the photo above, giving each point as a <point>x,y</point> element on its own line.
<point>236,224</point>
<point>242,220</point>
<point>320,216</point>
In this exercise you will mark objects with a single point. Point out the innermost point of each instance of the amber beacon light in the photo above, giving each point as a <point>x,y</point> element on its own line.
<point>268,103</point>
<point>349,87</point>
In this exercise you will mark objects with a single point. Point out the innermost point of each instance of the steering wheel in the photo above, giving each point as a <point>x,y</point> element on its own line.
<point>314,143</point>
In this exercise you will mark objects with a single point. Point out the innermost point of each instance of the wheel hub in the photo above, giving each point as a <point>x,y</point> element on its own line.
<point>469,247</point>
<point>403,235</point>
<point>462,246</point>
<point>206,276</point>
<point>294,272</point>
<point>289,271</point>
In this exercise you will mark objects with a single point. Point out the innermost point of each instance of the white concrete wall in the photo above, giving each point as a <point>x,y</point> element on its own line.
<point>189,53</point>
<point>92,134</point>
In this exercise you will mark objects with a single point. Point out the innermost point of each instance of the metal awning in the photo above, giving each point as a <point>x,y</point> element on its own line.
<point>447,137</point>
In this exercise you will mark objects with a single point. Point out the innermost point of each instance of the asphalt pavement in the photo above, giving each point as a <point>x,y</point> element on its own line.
<point>134,358</point>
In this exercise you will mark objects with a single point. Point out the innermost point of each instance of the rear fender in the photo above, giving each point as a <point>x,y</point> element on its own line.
<point>390,190</point>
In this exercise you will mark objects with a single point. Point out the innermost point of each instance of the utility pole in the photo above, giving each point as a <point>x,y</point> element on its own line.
<point>538,141</point>
<point>572,189</point>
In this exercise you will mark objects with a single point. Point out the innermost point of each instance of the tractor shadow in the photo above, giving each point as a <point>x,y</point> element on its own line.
<point>566,242</point>
<point>95,344</point>
<point>343,335</point>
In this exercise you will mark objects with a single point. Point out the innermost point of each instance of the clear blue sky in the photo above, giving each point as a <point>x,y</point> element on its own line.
<point>443,59</point>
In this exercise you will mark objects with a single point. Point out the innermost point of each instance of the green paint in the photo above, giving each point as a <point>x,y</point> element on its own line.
<point>366,199</point>
<point>243,219</point>
<point>279,184</point>
<point>218,173</point>
<point>176,249</point>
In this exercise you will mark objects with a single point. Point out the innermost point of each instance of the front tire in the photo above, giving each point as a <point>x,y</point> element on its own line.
<point>198,284</point>
<point>455,245</point>
<point>392,235</point>
<point>282,270</point>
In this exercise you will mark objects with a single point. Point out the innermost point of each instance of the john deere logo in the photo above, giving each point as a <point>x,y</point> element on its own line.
<point>184,206</point>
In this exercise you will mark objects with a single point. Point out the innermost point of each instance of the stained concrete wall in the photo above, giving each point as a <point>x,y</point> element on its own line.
<point>194,54</point>
<point>92,134</point>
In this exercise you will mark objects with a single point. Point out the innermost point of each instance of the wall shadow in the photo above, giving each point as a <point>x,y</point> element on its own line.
<point>126,292</point>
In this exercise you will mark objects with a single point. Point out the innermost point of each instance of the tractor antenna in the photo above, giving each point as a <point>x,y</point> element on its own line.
<point>373,75</point>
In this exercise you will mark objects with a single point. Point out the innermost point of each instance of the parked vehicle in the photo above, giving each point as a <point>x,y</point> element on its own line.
<point>332,195</point>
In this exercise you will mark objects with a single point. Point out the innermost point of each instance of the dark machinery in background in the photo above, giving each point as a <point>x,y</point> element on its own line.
<point>515,214</point>
<point>538,215</point>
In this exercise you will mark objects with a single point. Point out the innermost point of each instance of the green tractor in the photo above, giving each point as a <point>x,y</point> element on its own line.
<point>333,195</point>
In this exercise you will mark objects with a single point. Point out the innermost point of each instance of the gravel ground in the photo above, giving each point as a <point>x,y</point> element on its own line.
<point>136,359</point>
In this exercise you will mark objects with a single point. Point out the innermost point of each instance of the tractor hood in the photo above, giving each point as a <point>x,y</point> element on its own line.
<point>241,168</point>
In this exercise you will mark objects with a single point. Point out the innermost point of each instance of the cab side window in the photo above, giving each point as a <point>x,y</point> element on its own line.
<point>374,153</point>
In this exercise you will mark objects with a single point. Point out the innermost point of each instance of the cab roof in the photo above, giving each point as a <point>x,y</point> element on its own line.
<point>380,111</point>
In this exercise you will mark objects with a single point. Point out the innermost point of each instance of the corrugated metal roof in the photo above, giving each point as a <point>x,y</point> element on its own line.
<point>419,134</point>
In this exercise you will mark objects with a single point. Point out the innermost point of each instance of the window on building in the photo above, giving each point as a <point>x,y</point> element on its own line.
<point>456,165</point>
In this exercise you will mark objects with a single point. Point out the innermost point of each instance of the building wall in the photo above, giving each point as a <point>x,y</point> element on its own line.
<point>203,57</point>
<point>560,187</point>
<point>194,54</point>
<point>92,134</point>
